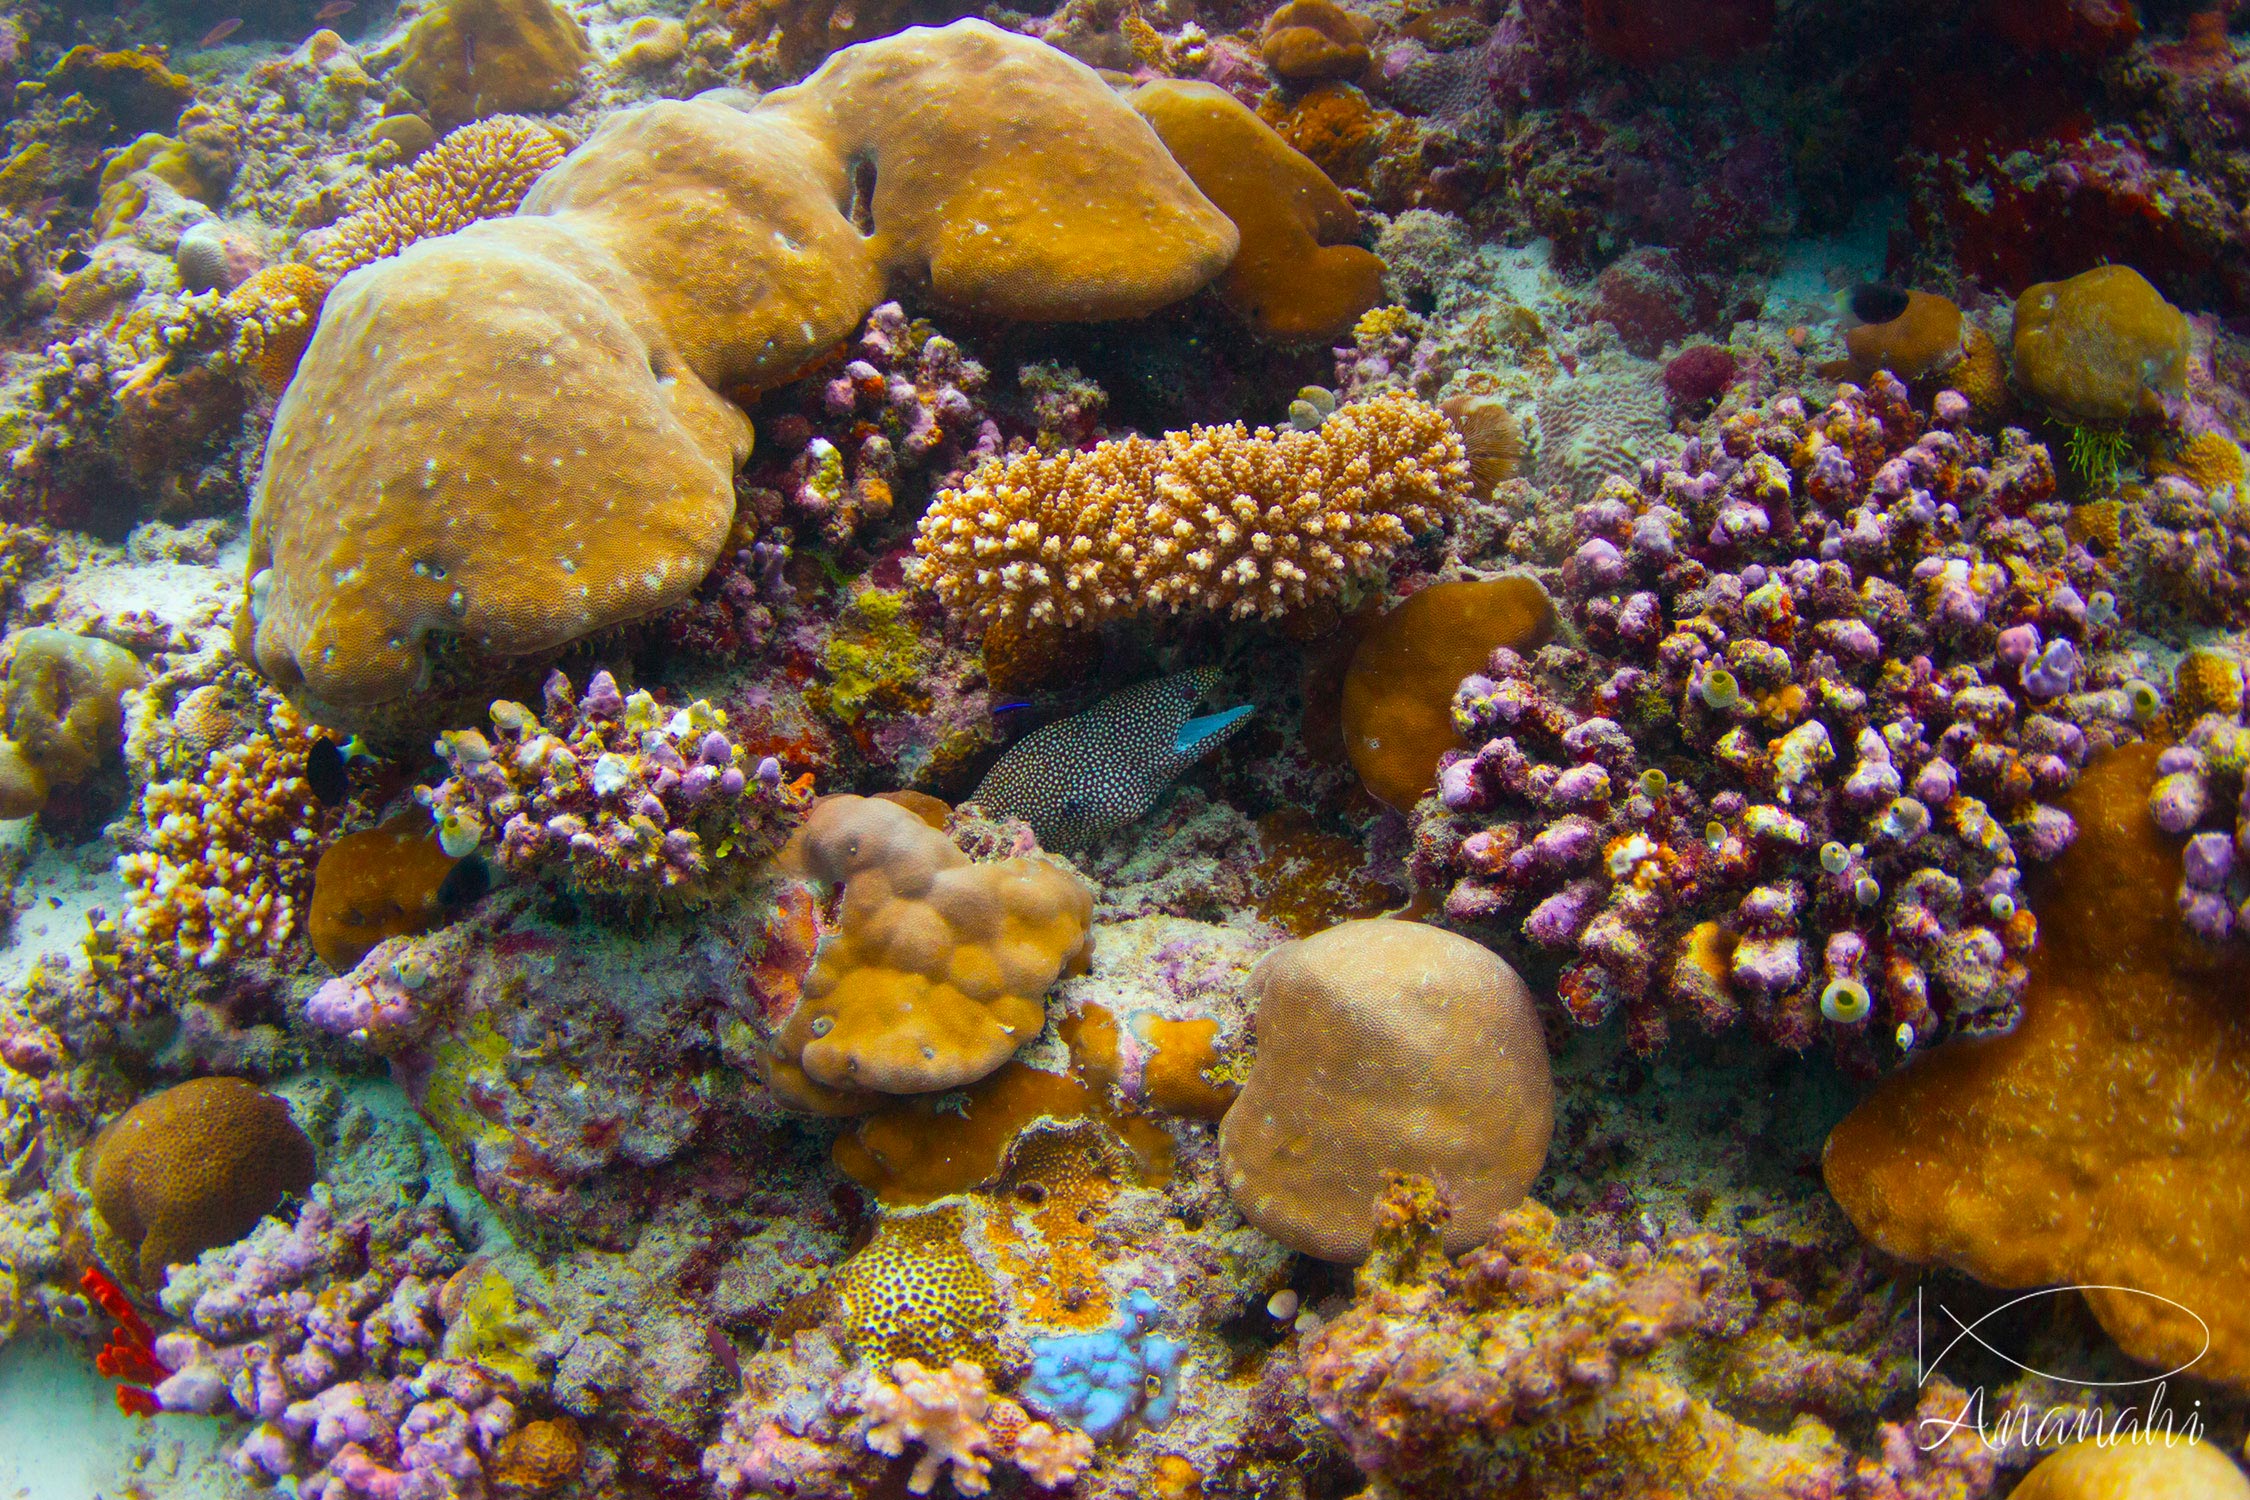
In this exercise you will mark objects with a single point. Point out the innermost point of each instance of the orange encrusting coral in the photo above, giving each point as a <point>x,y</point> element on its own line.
<point>1175,1078</point>
<point>381,883</point>
<point>912,1151</point>
<point>1398,691</point>
<point>2106,1140</point>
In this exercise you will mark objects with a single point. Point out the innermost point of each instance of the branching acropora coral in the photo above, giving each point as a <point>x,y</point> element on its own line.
<point>228,865</point>
<point>617,794</point>
<point>1216,519</point>
<point>480,171</point>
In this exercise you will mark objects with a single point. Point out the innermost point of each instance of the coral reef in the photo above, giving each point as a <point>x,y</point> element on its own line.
<point>1397,1047</point>
<point>1543,1365</point>
<point>639,328</point>
<point>1798,768</point>
<point>376,884</point>
<point>1222,520</point>
<point>2035,1158</point>
<point>1397,702</point>
<point>2094,1470</point>
<point>2100,347</point>
<point>466,59</point>
<point>618,797</point>
<point>63,714</point>
<point>1298,275</point>
<point>192,1167</point>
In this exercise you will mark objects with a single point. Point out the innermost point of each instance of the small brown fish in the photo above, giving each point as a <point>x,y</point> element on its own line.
<point>333,10</point>
<point>221,32</point>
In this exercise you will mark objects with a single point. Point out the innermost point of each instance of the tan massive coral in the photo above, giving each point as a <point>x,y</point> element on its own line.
<point>513,435</point>
<point>1220,519</point>
<point>935,974</point>
<point>1384,1047</point>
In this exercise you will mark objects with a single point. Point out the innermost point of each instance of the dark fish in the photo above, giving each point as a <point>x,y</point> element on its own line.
<point>1877,301</point>
<point>325,773</point>
<point>1011,706</point>
<point>465,884</point>
<point>333,10</point>
<point>221,32</point>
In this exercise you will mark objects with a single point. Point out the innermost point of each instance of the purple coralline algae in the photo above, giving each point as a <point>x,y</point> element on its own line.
<point>1835,668</point>
<point>617,796</point>
<point>2199,793</point>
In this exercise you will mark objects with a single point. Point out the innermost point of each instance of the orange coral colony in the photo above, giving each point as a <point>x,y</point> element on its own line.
<point>1923,339</point>
<point>2106,1140</point>
<point>1306,41</point>
<point>1296,276</point>
<point>379,884</point>
<point>1398,691</point>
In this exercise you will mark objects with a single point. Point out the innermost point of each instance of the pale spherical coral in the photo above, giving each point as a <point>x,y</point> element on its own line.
<point>1216,519</point>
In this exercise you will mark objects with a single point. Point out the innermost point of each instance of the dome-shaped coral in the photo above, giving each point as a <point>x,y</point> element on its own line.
<point>378,884</point>
<point>2100,347</point>
<point>192,1168</point>
<point>1386,1046</point>
<point>63,715</point>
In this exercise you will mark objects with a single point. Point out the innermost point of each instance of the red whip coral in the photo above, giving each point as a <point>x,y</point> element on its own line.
<point>129,1357</point>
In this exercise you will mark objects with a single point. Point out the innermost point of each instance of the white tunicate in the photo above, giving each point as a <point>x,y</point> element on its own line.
<point>1282,1305</point>
<point>612,773</point>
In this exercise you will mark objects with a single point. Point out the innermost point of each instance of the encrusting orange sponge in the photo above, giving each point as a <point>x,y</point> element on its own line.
<point>937,970</point>
<point>2105,1141</point>
<point>378,884</point>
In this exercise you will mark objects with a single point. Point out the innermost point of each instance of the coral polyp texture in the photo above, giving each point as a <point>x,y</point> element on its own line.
<point>192,1167</point>
<point>515,434</point>
<point>1218,520</point>
<point>479,171</point>
<point>615,796</point>
<point>1833,674</point>
<point>63,714</point>
<point>1539,1366</point>
<point>936,973</point>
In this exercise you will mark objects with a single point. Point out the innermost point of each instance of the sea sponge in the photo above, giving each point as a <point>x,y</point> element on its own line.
<point>512,433</point>
<point>1309,40</point>
<point>2126,1468</point>
<point>1216,519</point>
<point>2212,461</point>
<point>1297,277</point>
<point>466,59</point>
<point>479,171</point>
<point>2045,1155</point>
<point>540,1455</point>
<point>63,715</point>
<point>1924,338</point>
<point>193,1167</point>
<point>915,1292</point>
<point>1398,690</point>
<point>381,883</point>
<point>2100,347</point>
<point>1386,1046</point>
<point>935,974</point>
<point>2206,682</point>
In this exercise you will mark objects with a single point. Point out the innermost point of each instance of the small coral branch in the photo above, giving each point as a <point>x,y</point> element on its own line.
<point>1217,519</point>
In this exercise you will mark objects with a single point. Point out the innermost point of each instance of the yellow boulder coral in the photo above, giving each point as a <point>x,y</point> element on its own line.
<point>2100,347</point>
<point>479,171</point>
<point>915,1292</point>
<point>466,59</point>
<point>935,974</point>
<point>527,462</point>
<point>192,1168</point>
<point>2106,1140</point>
<point>1216,519</point>
<point>1295,276</point>
<point>511,434</point>
<point>64,718</point>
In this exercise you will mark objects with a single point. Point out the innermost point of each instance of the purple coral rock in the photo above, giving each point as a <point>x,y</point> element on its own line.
<point>2206,913</point>
<point>602,700</point>
<point>2017,645</point>
<point>2054,673</point>
<point>2178,801</point>
<point>1557,921</point>
<point>2208,860</point>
